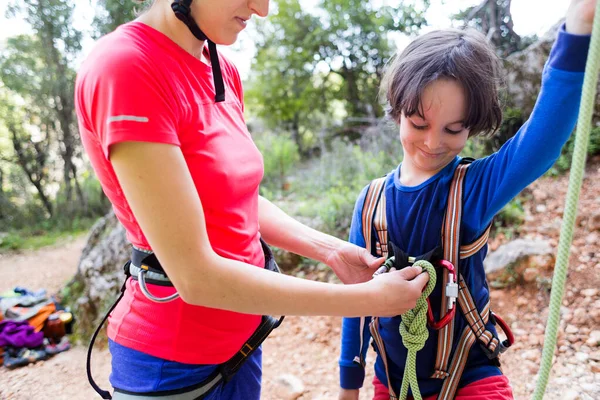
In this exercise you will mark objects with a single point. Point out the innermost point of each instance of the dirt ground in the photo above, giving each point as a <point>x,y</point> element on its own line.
<point>300,358</point>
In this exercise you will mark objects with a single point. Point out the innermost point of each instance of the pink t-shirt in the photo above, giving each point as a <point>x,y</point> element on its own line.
<point>138,85</point>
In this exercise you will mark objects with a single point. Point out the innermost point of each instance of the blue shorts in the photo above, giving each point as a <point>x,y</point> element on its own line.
<point>134,371</point>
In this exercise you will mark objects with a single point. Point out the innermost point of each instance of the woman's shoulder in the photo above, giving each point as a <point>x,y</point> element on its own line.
<point>124,51</point>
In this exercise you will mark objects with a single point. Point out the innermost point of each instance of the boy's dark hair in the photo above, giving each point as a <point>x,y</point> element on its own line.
<point>462,55</point>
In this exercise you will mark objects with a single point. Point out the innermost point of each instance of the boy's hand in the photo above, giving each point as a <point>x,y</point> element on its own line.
<point>580,17</point>
<point>348,394</point>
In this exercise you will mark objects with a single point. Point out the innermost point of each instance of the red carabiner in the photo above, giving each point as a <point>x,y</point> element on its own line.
<point>510,338</point>
<point>451,292</point>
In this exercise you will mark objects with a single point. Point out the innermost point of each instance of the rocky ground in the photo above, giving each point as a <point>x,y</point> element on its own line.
<point>300,357</point>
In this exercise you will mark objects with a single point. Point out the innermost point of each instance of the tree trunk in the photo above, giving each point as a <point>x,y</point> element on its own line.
<point>295,128</point>
<point>37,176</point>
<point>63,105</point>
<point>356,106</point>
<point>3,200</point>
<point>80,194</point>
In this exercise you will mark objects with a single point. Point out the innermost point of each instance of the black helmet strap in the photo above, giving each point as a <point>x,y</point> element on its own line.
<point>181,8</point>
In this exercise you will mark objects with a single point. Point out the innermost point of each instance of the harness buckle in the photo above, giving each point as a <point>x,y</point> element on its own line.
<point>451,293</point>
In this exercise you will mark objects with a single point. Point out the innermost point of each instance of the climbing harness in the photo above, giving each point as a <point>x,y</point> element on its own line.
<point>582,139</point>
<point>455,289</point>
<point>146,269</point>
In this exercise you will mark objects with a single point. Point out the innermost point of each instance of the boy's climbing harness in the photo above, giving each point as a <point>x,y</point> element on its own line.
<point>455,289</point>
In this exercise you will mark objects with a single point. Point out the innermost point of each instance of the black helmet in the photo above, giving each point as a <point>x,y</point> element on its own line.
<point>181,8</point>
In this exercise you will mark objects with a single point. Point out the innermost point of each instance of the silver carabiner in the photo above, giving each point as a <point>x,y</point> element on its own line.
<point>142,281</point>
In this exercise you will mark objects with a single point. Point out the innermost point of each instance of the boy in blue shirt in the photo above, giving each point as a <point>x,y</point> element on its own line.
<point>442,90</point>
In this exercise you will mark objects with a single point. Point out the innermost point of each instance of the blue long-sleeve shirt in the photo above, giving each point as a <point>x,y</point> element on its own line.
<point>415,216</point>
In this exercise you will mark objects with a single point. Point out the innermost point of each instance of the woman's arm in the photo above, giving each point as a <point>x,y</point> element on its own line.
<point>159,189</point>
<point>352,264</point>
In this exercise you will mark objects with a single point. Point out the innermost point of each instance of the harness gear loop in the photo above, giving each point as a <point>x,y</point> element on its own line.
<point>413,329</point>
<point>141,277</point>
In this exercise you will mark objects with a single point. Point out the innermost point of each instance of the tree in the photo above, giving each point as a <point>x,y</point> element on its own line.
<point>494,19</point>
<point>112,13</point>
<point>284,90</point>
<point>30,154</point>
<point>355,45</point>
<point>310,65</point>
<point>38,68</point>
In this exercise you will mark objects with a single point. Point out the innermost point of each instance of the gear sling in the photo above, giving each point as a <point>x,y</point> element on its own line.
<point>374,223</point>
<point>145,268</point>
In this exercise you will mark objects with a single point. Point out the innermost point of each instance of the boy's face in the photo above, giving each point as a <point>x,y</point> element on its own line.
<point>430,143</point>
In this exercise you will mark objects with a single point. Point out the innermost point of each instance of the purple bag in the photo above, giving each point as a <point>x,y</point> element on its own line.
<point>19,334</point>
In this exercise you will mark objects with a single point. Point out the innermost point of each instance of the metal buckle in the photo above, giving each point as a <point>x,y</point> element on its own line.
<point>451,293</point>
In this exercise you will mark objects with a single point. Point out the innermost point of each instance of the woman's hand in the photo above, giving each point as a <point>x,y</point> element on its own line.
<point>353,264</point>
<point>580,17</point>
<point>396,291</point>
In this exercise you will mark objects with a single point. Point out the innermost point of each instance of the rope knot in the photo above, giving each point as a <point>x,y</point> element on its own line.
<point>414,332</point>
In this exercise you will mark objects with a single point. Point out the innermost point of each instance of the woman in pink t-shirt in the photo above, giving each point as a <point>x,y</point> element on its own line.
<point>161,119</point>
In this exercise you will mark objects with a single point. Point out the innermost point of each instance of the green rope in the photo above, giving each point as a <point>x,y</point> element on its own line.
<point>582,138</point>
<point>413,329</point>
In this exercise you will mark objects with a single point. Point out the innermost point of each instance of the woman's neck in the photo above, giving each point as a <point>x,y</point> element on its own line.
<point>161,17</point>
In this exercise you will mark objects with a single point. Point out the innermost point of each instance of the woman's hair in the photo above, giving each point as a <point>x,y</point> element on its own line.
<point>461,55</point>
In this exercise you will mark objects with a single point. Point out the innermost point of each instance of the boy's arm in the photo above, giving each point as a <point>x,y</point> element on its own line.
<point>355,341</point>
<point>537,145</point>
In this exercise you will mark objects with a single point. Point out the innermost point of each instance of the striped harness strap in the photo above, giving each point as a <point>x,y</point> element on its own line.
<point>374,219</point>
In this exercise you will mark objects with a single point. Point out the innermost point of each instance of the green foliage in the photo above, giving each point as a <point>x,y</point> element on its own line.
<point>11,241</point>
<point>29,240</point>
<point>112,13</point>
<point>280,154</point>
<point>510,218</point>
<point>71,292</point>
<point>482,146</point>
<point>476,147</point>
<point>329,186</point>
<point>564,161</point>
<point>40,176</point>
<point>311,66</point>
<point>36,70</point>
<point>512,121</point>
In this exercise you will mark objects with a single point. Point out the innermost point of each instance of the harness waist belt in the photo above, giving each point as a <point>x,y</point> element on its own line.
<point>145,268</point>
